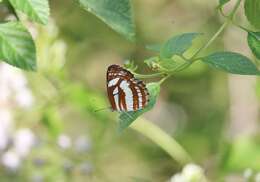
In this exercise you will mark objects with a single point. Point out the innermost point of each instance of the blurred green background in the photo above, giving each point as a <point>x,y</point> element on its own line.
<point>50,131</point>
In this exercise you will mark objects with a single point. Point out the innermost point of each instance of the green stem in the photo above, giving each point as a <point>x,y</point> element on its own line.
<point>241,27</point>
<point>223,26</point>
<point>155,75</point>
<point>229,19</point>
<point>194,58</point>
<point>162,139</point>
<point>164,78</point>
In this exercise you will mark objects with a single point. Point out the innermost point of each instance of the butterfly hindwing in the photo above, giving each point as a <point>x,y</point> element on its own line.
<point>125,92</point>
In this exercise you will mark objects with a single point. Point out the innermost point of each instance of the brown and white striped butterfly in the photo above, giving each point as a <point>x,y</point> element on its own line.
<point>125,92</point>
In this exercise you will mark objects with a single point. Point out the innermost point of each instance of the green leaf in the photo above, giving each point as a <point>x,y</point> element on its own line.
<point>52,121</point>
<point>115,13</point>
<point>126,118</point>
<point>244,152</point>
<point>36,10</point>
<point>154,47</point>
<point>169,65</point>
<point>222,3</point>
<point>231,62</point>
<point>252,11</point>
<point>253,39</point>
<point>17,46</point>
<point>177,45</point>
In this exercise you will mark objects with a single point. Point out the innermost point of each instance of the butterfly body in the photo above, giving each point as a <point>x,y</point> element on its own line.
<point>125,92</point>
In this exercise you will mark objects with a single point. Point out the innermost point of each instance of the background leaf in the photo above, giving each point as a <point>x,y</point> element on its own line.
<point>16,46</point>
<point>36,10</point>
<point>253,39</point>
<point>125,119</point>
<point>231,62</point>
<point>153,47</point>
<point>177,45</point>
<point>222,3</point>
<point>115,13</point>
<point>252,11</point>
<point>52,120</point>
<point>169,65</point>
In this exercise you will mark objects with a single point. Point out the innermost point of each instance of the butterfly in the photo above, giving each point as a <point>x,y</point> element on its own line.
<point>125,92</point>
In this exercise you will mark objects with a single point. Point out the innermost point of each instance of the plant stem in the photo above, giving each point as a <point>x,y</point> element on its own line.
<point>223,26</point>
<point>164,78</point>
<point>229,19</point>
<point>155,75</point>
<point>162,139</point>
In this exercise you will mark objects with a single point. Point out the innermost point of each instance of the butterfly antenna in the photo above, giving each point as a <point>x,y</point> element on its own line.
<point>102,109</point>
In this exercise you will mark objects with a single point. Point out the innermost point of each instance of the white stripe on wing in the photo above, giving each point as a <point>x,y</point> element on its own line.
<point>128,95</point>
<point>113,82</point>
<point>116,98</point>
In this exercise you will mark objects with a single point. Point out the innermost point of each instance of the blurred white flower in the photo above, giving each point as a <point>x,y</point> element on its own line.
<point>257,177</point>
<point>4,92</point>
<point>24,98</point>
<point>178,178</point>
<point>24,140</point>
<point>190,173</point>
<point>82,144</point>
<point>6,124</point>
<point>11,160</point>
<point>64,141</point>
<point>37,178</point>
<point>13,81</point>
<point>248,173</point>
<point>86,168</point>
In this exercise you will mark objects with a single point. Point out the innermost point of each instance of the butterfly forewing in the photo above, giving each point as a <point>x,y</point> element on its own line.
<point>125,92</point>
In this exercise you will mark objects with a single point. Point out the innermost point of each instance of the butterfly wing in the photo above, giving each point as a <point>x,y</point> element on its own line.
<point>125,92</point>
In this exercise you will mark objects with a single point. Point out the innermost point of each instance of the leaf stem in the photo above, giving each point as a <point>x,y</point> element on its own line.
<point>155,75</point>
<point>162,139</point>
<point>164,78</point>
<point>223,26</point>
<point>229,19</point>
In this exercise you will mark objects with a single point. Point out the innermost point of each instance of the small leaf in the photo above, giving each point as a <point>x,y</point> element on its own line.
<point>222,3</point>
<point>253,39</point>
<point>126,118</point>
<point>154,47</point>
<point>130,65</point>
<point>169,65</point>
<point>16,46</point>
<point>36,10</point>
<point>252,11</point>
<point>231,62</point>
<point>152,62</point>
<point>115,13</point>
<point>177,45</point>
<point>52,121</point>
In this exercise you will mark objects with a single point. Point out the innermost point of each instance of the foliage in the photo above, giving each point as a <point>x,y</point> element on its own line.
<point>231,62</point>
<point>116,14</point>
<point>17,46</point>
<point>180,53</point>
<point>36,10</point>
<point>252,11</point>
<point>253,39</point>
